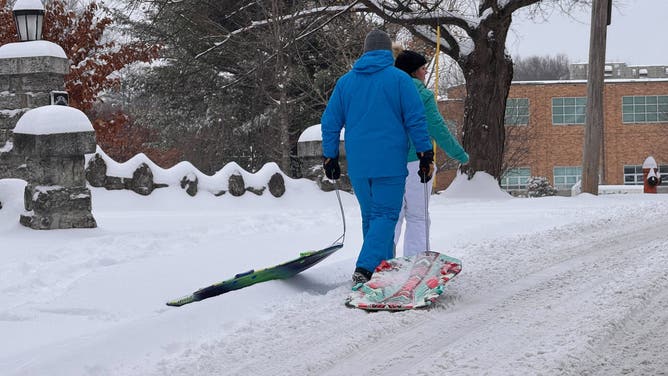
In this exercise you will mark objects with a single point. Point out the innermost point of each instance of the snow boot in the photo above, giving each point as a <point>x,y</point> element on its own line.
<point>361,276</point>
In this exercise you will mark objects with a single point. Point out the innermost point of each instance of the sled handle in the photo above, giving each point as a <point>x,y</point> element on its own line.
<point>341,239</point>
<point>426,215</point>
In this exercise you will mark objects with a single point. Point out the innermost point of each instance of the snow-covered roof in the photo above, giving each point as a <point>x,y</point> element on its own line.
<point>314,133</point>
<point>607,80</point>
<point>28,5</point>
<point>31,49</point>
<point>53,119</point>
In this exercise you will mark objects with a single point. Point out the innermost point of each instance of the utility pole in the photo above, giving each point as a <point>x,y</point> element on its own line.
<point>591,156</point>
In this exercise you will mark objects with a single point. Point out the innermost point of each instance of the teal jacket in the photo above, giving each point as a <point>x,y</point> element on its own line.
<point>438,130</point>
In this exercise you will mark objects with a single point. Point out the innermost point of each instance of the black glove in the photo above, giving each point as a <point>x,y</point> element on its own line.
<point>332,168</point>
<point>426,165</point>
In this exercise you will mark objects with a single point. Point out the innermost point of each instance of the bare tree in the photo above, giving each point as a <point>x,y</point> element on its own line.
<point>473,33</point>
<point>517,146</point>
<point>537,68</point>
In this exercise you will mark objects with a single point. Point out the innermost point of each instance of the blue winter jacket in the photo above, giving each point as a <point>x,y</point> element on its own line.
<point>380,108</point>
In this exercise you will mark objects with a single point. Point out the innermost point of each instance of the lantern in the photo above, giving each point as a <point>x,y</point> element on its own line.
<point>29,16</point>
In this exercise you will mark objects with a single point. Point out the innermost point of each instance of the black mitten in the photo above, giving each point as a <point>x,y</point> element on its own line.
<point>426,165</point>
<point>332,168</point>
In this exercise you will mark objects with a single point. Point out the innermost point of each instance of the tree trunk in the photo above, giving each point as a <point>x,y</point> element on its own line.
<point>283,73</point>
<point>284,132</point>
<point>282,127</point>
<point>488,73</point>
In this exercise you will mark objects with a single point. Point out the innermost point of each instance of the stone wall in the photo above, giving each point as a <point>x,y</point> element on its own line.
<point>143,180</point>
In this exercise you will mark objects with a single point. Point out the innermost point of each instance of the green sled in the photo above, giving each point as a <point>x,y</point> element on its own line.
<point>251,277</point>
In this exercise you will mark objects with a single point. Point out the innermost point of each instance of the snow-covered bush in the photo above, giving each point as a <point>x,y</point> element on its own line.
<point>538,186</point>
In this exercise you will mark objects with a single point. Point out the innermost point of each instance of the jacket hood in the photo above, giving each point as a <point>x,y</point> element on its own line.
<point>374,61</point>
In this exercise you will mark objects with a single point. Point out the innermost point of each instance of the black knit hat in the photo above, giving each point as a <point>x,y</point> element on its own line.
<point>377,40</point>
<point>409,61</point>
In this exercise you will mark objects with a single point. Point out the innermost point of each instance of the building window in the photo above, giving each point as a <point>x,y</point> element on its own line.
<point>566,177</point>
<point>569,110</point>
<point>517,111</point>
<point>516,178</point>
<point>633,175</point>
<point>645,109</point>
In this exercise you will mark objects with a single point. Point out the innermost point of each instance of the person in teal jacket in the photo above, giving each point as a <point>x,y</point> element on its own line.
<point>415,208</point>
<point>381,110</point>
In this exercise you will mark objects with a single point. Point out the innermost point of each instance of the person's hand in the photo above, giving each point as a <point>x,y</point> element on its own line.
<point>426,165</point>
<point>332,168</point>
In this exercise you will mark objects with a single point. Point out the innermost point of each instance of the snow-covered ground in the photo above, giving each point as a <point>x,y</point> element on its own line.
<point>550,286</point>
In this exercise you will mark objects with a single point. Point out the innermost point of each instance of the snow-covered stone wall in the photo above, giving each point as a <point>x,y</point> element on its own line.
<point>143,176</point>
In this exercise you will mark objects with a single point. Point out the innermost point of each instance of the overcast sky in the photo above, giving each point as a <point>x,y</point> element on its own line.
<point>636,36</point>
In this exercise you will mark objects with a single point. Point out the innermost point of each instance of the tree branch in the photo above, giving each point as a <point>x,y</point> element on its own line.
<point>335,10</point>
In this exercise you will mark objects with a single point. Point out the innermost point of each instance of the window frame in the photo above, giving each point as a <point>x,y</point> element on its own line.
<point>516,108</point>
<point>644,109</point>
<point>522,181</point>
<point>639,176</point>
<point>576,176</point>
<point>569,110</point>
<point>636,174</point>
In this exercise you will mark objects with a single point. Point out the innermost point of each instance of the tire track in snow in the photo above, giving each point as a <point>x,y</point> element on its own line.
<point>490,322</point>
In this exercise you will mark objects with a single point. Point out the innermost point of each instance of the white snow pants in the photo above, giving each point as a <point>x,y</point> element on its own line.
<point>415,210</point>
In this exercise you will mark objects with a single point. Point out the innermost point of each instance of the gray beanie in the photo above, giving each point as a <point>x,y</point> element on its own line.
<point>377,40</point>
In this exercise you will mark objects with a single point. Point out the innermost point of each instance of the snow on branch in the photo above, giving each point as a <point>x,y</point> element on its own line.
<point>313,12</point>
<point>460,21</point>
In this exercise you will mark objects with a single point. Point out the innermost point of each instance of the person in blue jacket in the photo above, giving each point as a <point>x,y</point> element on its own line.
<point>415,209</point>
<point>381,110</point>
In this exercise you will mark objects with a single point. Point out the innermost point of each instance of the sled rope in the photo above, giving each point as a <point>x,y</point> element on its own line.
<point>341,239</point>
<point>426,215</point>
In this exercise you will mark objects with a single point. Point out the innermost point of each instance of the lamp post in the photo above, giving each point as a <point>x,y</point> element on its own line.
<point>29,16</point>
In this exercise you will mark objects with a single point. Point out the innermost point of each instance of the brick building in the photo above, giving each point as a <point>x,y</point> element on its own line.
<point>545,131</point>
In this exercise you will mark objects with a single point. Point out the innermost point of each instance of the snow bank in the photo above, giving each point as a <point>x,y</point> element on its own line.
<point>483,186</point>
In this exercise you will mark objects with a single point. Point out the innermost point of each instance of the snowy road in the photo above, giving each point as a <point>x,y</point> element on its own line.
<point>585,299</point>
<point>550,286</point>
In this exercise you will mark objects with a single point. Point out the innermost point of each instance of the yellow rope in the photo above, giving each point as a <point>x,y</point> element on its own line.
<point>438,53</point>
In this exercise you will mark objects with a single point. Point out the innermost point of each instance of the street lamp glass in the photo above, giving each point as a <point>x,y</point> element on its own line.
<point>29,24</point>
<point>29,16</point>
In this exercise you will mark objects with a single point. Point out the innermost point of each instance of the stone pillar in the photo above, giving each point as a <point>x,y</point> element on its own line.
<point>52,140</point>
<point>29,72</point>
<point>309,152</point>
